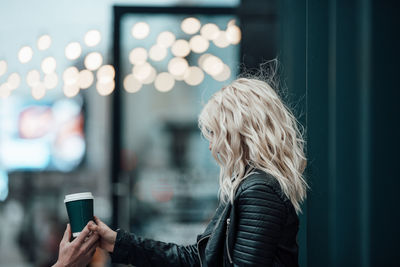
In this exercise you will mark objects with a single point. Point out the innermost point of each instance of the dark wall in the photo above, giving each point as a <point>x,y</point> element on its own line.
<point>385,132</point>
<point>258,22</point>
<point>343,54</point>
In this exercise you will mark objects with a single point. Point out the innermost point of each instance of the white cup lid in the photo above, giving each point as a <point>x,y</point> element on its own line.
<point>78,196</point>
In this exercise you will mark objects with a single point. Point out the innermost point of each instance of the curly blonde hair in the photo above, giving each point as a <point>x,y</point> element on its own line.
<point>247,124</point>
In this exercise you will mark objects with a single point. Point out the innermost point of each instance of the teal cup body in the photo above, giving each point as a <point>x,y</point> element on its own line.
<point>80,211</point>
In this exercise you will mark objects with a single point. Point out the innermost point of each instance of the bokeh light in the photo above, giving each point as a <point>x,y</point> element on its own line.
<point>151,77</point>
<point>157,52</point>
<point>202,58</point>
<point>177,66</point>
<point>198,44</point>
<point>164,82</point>
<point>233,34</point>
<point>85,79</point>
<point>222,40</point>
<point>70,76</point>
<point>105,74</point>
<point>194,76</point>
<point>44,42</point>
<point>3,67</point>
<point>213,65</point>
<point>50,80</point>
<point>73,50</point>
<point>166,39</point>
<point>142,72</point>
<point>190,25</point>
<point>14,80</point>
<point>49,65</point>
<point>71,90</point>
<point>4,90</point>
<point>180,48</point>
<point>138,55</point>
<point>131,84</point>
<point>93,61</point>
<point>105,89</point>
<point>38,91</point>
<point>210,31</point>
<point>92,38</point>
<point>224,74</point>
<point>33,78</point>
<point>179,77</point>
<point>25,54</point>
<point>140,30</point>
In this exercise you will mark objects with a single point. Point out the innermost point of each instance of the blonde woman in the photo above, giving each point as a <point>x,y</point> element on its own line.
<point>256,141</point>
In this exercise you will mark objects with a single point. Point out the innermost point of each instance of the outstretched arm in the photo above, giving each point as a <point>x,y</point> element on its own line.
<point>128,248</point>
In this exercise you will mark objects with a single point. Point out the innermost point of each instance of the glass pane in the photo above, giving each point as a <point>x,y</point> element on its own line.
<point>173,177</point>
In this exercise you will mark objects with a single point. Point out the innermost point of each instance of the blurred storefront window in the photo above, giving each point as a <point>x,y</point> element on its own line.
<point>55,84</point>
<point>172,177</point>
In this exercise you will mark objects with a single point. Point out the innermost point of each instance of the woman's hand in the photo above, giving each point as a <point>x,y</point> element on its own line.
<point>107,236</point>
<point>78,252</point>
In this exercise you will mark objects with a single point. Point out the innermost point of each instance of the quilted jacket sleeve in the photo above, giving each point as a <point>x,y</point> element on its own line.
<point>262,215</point>
<point>131,249</point>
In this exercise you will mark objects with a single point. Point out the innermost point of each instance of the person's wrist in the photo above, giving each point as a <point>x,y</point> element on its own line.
<point>113,240</point>
<point>58,264</point>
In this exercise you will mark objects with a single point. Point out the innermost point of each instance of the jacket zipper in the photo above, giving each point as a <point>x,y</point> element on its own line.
<point>198,251</point>
<point>228,221</point>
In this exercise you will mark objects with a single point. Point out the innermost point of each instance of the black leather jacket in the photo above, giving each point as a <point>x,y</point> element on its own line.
<point>259,229</point>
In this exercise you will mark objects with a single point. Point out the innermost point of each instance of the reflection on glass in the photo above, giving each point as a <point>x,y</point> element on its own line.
<point>194,76</point>
<point>210,31</point>
<point>222,40</point>
<point>140,30</point>
<point>44,42</point>
<point>50,80</point>
<point>131,84</point>
<point>73,50</point>
<point>233,34</point>
<point>198,44</point>
<point>49,65</point>
<point>157,52</point>
<point>5,90</point>
<point>151,77</point>
<point>164,82</point>
<point>14,80</point>
<point>213,65</point>
<point>38,91</point>
<point>138,55</point>
<point>105,74</point>
<point>32,78</point>
<point>202,58</point>
<point>105,88</point>
<point>25,54</point>
<point>177,66</point>
<point>3,67</point>
<point>166,39</point>
<point>93,61</point>
<point>180,48</point>
<point>142,72</point>
<point>190,25</point>
<point>85,79</point>
<point>224,74</point>
<point>71,90</point>
<point>70,76</point>
<point>92,38</point>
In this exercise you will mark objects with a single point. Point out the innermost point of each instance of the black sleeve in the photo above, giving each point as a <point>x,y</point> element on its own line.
<point>262,215</point>
<point>131,249</point>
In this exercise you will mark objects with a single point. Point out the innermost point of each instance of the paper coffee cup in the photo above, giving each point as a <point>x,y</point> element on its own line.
<point>80,211</point>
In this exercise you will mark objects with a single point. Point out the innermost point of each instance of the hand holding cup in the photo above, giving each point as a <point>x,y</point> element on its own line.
<point>80,251</point>
<point>107,236</point>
